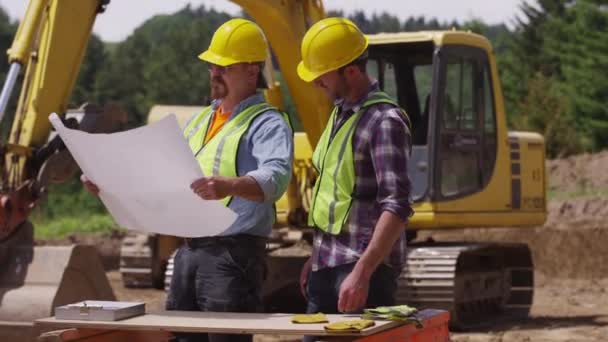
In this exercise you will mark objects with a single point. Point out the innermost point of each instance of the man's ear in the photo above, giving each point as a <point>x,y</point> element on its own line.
<point>351,71</point>
<point>254,71</point>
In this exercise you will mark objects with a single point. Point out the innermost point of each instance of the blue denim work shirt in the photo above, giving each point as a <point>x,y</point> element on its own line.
<point>266,154</point>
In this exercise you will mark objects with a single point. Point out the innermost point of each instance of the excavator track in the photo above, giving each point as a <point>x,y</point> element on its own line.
<point>138,265</point>
<point>476,282</point>
<point>169,272</point>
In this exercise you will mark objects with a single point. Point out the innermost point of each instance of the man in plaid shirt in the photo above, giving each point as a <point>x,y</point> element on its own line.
<point>359,246</point>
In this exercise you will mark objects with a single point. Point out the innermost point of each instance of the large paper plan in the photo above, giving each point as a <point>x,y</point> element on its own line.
<point>144,176</point>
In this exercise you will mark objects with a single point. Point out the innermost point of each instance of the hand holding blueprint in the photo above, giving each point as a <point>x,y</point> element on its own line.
<point>144,177</point>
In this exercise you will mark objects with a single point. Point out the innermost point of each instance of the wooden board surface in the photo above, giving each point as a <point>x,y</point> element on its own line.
<point>218,322</point>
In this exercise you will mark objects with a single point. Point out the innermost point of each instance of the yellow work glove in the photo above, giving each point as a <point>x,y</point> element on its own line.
<point>349,326</point>
<point>402,313</point>
<point>309,318</point>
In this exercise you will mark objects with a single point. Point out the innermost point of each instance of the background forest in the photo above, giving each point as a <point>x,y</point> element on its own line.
<point>552,63</point>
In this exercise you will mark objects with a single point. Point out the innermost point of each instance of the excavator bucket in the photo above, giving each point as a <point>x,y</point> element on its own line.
<point>35,280</point>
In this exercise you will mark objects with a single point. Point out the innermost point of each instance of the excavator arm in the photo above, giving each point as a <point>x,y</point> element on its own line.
<point>50,45</point>
<point>285,23</point>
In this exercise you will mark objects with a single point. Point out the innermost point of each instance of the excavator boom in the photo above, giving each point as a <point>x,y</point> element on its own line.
<point>285,23</point>
<point>50,44</point>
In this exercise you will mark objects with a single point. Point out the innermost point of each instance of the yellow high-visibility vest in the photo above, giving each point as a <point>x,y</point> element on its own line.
<point>333,158</point>
<point>218,156</point>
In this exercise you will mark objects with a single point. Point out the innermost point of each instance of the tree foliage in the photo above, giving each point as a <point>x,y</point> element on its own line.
<point>565,43</point>
<point>559,44</point>
<point>158,63</point>
<point>552,65</point>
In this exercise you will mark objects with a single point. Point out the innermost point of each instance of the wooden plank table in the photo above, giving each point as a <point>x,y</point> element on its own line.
<point>157,327</point>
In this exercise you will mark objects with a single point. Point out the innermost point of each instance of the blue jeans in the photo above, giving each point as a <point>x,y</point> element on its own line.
<point>221,274</point>
<point>323,289</point>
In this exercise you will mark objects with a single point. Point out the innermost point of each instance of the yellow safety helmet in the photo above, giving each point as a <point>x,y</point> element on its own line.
<point>328,45</point>
<point>236,41</point>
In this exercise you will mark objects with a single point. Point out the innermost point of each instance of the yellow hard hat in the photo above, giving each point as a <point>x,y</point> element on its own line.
<point>236,41</point>
<point>328,45</point>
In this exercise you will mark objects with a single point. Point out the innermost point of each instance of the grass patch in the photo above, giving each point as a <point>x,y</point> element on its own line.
<point>70,209</point>
<point>61,227</point>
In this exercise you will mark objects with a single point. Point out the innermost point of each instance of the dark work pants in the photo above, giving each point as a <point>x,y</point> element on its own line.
<point>323,289</point>
<point>221,274</point>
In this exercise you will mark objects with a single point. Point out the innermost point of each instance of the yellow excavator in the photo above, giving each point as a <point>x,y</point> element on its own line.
<point>467,169</point>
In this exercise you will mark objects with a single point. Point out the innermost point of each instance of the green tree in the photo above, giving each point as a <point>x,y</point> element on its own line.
<point>545,110</point>
<point>158,63</point>
<point>580,42</point>
<point>95,58</point>
<point>564,42</point>
<point>526,53</point>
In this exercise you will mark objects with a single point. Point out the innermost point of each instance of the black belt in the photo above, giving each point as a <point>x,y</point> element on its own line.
<point>226,240</point>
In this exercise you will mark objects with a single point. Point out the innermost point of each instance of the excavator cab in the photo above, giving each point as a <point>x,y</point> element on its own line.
<point>465,166</point>
<point>466,170</point>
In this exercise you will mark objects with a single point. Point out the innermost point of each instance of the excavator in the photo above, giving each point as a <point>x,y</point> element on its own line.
<point>466,168</point>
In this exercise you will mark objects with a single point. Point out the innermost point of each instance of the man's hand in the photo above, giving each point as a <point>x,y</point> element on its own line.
<point>304,277</point>
<point>353,292</point>
<point>355,287</point>
<point>213,188</point>
<point>89,186</point>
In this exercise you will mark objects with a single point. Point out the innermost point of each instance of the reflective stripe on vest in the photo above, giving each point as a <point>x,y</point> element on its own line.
<point>333,157</point>
<point>219,155</point>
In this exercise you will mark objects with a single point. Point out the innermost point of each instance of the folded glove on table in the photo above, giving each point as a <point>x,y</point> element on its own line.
<point>393,313</point>
<point>309,318</point>
<point>349,326</point>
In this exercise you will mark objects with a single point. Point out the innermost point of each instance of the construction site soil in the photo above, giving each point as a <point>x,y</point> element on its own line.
<point>570,254</point>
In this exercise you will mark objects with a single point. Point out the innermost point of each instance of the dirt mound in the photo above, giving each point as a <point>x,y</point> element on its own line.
<point>578,173</point>
<point>570,213</point>
<point>571,244</point>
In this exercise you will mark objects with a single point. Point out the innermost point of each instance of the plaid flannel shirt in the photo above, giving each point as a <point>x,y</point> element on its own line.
<point>381,145</point>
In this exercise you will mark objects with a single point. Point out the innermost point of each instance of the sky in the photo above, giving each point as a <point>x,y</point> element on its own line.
<point>123,16</point>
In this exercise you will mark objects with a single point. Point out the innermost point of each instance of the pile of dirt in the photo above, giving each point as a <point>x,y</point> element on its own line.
<point>571,244</point>
<point>580,172</point>
<point>571,213</point>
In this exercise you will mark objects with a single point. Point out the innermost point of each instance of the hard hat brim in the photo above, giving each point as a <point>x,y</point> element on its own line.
<point>216,59</point>
<point>306,74</point>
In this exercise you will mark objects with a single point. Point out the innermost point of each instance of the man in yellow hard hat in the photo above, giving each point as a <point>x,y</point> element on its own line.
<point>361,201</point>
<point>245,149</point>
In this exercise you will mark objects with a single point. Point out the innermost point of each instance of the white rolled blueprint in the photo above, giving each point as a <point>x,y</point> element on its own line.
<point>144,176</point>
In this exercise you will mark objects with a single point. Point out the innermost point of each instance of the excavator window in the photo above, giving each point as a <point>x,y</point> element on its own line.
<point>467,130</point>
<point>460,172</point>
<point>489,127</point>
<point>405,72</point>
